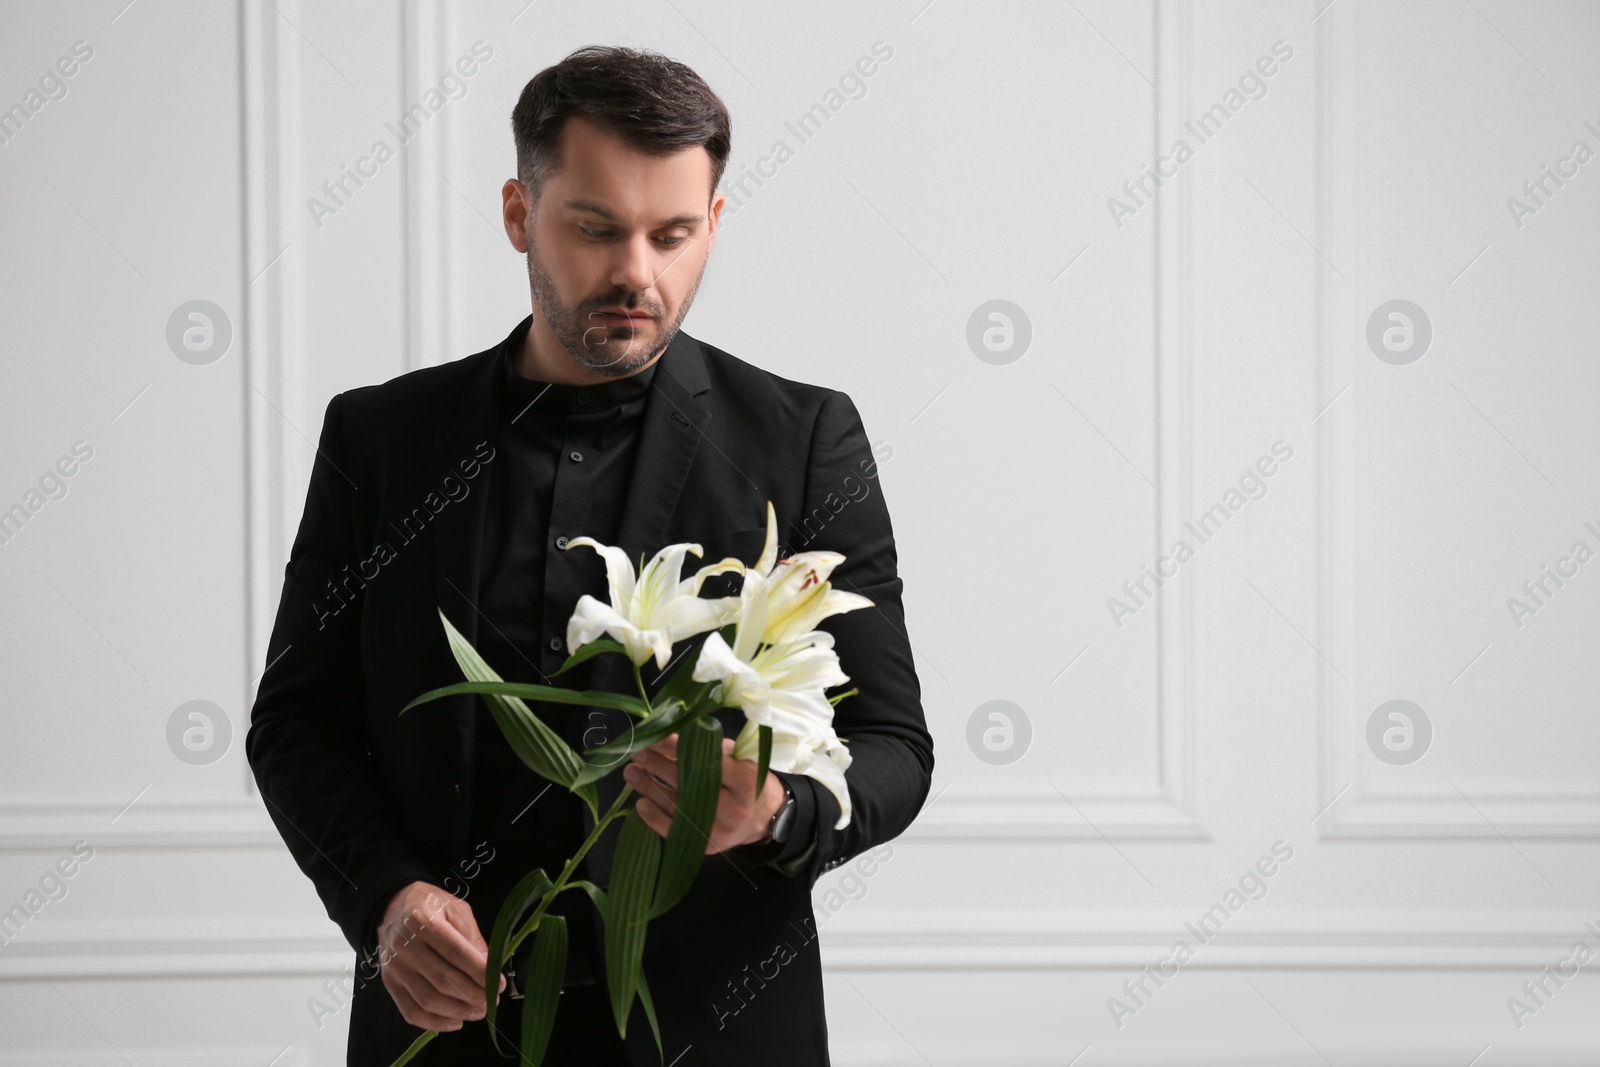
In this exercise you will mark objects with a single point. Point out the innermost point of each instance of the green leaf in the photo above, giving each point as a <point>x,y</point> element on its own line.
<point>682,679</point>
<point>650,1013</point>
<point>596,894</point>
<point>633,880</point>
<point>609,756</point>
<point>600,698</point>
<point>699,782</point>
<point>763,756</point>
<point>533,885</point>
<point>547,965</point>
<point>590,651</point>
<point>538,746</point>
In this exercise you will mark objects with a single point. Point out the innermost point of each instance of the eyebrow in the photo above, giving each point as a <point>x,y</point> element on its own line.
<point>574,204</point>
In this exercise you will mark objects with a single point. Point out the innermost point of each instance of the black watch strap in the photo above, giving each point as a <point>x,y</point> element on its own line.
<point>783,819</point>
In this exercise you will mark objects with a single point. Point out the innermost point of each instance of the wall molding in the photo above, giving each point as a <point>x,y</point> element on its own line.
<point>226,1056</point>
<point>1242,1050</point>
<point>216,948</point>
<point>990,815</point>
<point>1362,811</point>
<point>149,825</point>
<point>1070,941</point>
<point>907,941</point>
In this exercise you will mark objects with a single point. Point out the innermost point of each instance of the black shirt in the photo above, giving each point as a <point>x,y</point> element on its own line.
<point>565,453</point>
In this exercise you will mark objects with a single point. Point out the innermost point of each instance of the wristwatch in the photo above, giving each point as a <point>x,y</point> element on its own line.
<point>783,819</point>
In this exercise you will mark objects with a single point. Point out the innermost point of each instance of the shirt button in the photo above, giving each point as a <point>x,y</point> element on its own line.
<point>561,542</point>
<point>584,400</point>
<point>555,644</point>
<point>577,457</point>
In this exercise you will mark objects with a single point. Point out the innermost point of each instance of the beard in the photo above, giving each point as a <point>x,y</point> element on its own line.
<point>614,351</point>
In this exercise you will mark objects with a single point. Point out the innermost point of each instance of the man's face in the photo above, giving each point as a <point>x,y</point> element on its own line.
<point>616,246</point>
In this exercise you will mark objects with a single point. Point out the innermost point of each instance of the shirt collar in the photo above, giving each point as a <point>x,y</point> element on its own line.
<point>606,395</point>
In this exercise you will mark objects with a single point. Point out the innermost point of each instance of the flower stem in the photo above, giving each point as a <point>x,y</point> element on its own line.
<point>416,1047</point>
<point>612,814</point>
<point>639,677</point>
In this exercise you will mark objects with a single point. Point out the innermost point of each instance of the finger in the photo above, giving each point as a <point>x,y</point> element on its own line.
<point>417,1015</point>
<point>657,754</point>
<point>463,920</point>
<point>653,816</point>
<point>451,943</point>
<point>738,775</point>
<point>667,747</point>
<point>737,805</point>
<point>646,786</point>
<point>663,768</point>
<point>447,980</point>
<point>479,1010</point>
<point>443,1003</point>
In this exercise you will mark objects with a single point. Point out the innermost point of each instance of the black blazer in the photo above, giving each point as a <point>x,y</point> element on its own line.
<point>366,799</point>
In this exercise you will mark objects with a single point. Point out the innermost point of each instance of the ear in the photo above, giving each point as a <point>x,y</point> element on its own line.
<point>714,218</point>
<point>516,208</point>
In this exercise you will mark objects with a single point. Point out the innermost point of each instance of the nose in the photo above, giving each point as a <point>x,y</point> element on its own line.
<point>635,269</point>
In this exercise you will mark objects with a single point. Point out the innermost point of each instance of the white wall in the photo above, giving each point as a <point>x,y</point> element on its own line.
<point>1168,354</point>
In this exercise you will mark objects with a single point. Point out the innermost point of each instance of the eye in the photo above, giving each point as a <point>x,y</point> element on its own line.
<point>600,235</point>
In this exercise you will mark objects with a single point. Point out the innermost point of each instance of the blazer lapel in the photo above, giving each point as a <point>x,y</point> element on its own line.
<point>458,529</point>
<point>675,419</point>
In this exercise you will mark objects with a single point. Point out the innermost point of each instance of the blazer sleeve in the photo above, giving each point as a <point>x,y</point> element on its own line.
<point>307,744</point>
<point>883,725</point>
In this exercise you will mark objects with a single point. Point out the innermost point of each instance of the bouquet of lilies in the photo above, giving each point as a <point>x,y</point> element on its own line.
<point>762,654</point>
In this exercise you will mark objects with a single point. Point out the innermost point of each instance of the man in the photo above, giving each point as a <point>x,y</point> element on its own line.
<point>457,487</point>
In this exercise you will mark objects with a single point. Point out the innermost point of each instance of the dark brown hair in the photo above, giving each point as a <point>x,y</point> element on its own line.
<point>656,104</point>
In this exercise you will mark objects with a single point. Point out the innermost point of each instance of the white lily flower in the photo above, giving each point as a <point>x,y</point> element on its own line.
<point>799,594</point>
<point>650,613</point>
<point>782,686</point>
<point>823,759</point>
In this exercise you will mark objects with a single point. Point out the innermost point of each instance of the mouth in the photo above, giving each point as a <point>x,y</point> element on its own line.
<point>624,318</point>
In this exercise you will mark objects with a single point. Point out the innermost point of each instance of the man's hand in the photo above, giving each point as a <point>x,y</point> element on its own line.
<point>742,818</point>
<point>433,957</point>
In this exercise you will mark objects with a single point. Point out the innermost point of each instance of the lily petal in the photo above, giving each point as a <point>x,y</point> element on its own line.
<point>619,568</point>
